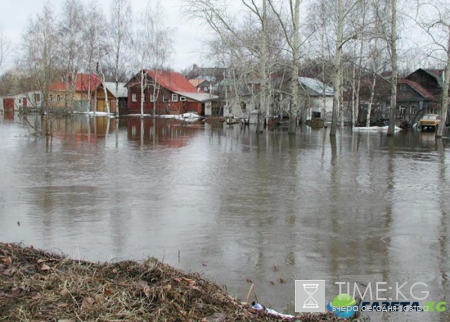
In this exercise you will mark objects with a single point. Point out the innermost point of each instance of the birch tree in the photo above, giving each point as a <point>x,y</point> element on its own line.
<point>291,33</point>
<point>39,53</point>
<point>227,28</point>
<point>94,35</point>
<point>70,40</point>
<point>337,67</point>
<point>394,65</point>
<point>152,45</point>
<point>120,41</point>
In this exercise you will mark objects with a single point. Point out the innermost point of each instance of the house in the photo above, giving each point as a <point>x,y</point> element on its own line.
<point>317,98</point>
<point>201,84</point>
<point>31,101</point>
<point>98,97</point>
<point>419,93</point>
<point>165,92</point>
<point>73,94</point>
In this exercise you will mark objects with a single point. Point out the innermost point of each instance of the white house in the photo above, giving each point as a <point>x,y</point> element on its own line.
<point>319,98</point>
<point>32,100</point>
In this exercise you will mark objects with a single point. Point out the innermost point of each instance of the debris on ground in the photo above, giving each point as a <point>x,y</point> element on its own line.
<point>42,286</point>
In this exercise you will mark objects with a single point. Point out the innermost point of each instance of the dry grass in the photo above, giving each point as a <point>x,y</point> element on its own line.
<point>41,286</point>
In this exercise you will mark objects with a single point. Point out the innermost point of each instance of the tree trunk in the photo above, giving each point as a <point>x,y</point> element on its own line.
<point>142,93</point>
<point>293,110</point>
<point>338,69</point>
<point>391,129</point>
<point>372,95</point>
<point>444,102</point>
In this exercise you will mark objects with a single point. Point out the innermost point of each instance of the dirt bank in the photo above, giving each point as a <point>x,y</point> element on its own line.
<point>41,286</point>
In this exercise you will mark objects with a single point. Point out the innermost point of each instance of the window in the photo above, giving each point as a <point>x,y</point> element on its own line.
<point>165,98</point>
<point>37,98</point>
<point>134,97</point>
<point>412,110</point>
<point>58,98</point>
<point>152,98</point>
<point>174,97</point>
<point>51,98</point>
<point>144,98</point>
<point>20,101</point>
<point>182,98</point>
<point>402,109</point>
<point>205,88</point>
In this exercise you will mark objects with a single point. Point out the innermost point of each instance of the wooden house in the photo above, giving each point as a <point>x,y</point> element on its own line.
<point>420,92</point>
<point>99,101</point>
<point>73,93</point>
<point>165,92</point>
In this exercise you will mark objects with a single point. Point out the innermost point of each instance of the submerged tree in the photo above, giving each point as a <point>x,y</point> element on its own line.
<point>152,45</point>
<point>39,53</point>
<point>234,34</point>
<point>70,49</point>
<point>292,36</point>
<point>120,41</point>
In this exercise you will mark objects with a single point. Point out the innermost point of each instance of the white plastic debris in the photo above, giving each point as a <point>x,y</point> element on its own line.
<point>260,307</point>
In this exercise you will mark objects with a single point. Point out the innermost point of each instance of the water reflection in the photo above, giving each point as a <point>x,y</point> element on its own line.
<point>231,204</point>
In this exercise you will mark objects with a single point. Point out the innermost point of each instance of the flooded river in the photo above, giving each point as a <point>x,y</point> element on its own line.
<point>236,207</point>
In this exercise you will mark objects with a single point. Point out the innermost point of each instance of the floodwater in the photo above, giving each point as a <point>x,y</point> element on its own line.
<point>236,207</point>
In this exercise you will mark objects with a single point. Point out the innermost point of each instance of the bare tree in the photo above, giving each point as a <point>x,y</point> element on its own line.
<point>394,65</point>
<point>292,36</point>
<point>5,47</point>
<point>228,29</point>
<point>120,40</point>
<point>39,55</point>
<point>94,35</point>
<point>152,45</point>
<point>70,40</point>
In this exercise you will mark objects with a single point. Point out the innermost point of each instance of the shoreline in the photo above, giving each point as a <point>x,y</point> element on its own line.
<point>42,286</point>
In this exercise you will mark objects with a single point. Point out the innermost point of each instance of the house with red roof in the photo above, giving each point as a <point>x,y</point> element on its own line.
<point>165,92</point>
<point>74,93</point>
<point>418,93</point>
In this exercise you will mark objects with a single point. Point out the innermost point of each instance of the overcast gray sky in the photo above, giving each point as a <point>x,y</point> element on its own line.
<point>15,14</point>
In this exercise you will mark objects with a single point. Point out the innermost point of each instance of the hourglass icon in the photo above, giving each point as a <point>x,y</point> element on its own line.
<point>310,302</point>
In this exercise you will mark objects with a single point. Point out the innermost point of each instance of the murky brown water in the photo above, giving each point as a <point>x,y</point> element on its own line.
<point>235,206</point>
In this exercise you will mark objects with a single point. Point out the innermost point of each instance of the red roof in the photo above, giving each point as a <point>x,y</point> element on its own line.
<point>173,81</point>
<point>81,85</point>
<point>422,91</point>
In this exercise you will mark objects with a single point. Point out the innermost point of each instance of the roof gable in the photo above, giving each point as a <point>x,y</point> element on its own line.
<point>434,75</point>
